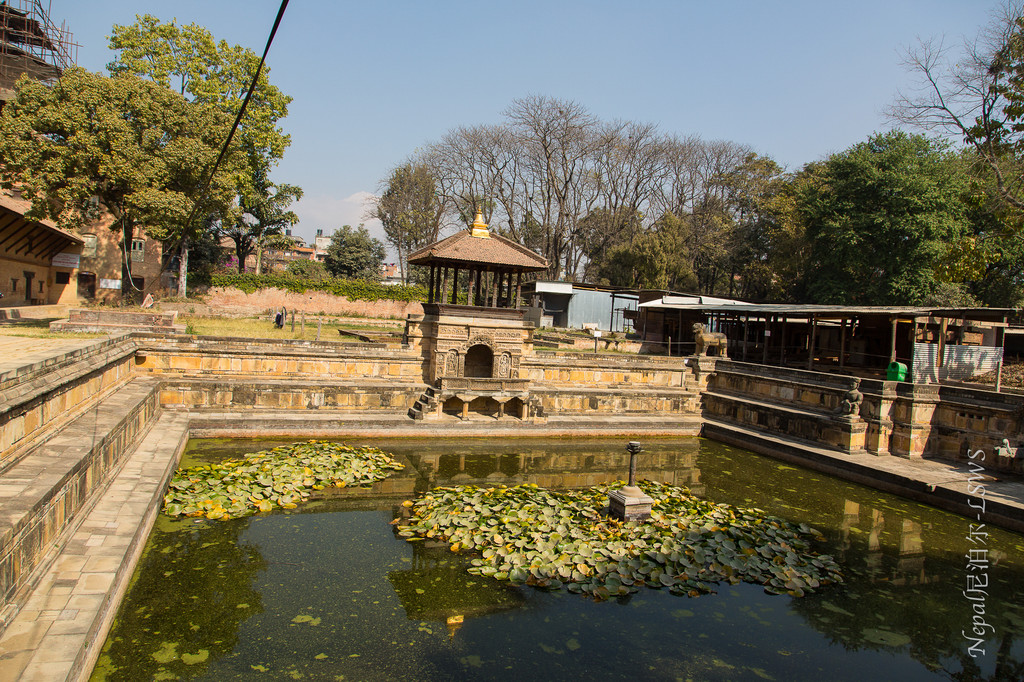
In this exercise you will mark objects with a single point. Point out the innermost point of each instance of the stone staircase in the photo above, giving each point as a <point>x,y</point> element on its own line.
<point>66,427</point>
<point>425,404</point>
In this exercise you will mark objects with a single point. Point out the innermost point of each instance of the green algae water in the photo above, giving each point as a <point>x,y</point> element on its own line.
<point>328,592</point>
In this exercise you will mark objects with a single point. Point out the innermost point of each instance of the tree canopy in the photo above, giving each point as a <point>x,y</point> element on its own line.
<point>190,61</point>
<point>410,210</point>
<point>125,145</point>
<point>354,254</point>
<point>880,217</point>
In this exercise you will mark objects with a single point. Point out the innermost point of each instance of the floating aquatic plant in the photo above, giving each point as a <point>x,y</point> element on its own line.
<point>548,539</point>
<point>283,477</point>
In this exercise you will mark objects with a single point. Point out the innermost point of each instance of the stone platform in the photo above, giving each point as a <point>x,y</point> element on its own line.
<point>113,321</point>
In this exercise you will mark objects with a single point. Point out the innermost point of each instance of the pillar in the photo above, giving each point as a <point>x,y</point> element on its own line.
<point>842,342</point>
<point>892,341</point>
<point>811,342</point>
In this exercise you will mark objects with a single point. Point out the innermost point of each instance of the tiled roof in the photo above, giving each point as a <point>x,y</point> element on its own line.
<point>462,248</point>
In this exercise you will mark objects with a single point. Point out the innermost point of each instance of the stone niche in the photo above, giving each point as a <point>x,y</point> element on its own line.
<point>467,342</point>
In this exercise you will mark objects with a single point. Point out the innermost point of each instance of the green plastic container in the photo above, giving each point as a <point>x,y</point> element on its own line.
<point>897,372</point>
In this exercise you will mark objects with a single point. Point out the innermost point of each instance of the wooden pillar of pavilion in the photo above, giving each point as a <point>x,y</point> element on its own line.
<point>892,340</point>
<point>746,321</point>
<point>811,342</point>
<point>842,343</point>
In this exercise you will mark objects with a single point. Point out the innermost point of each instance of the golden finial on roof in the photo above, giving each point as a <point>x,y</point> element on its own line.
<point>479,228</point>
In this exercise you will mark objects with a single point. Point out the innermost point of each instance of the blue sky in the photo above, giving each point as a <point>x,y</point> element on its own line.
<point>374,81</point>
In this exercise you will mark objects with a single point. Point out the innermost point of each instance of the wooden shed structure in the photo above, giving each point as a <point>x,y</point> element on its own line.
<point>935,343</point>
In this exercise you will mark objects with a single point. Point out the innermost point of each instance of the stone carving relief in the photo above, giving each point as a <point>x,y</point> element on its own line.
<point>451,366</point>
<point>451,331</point>
<point>505,365</point>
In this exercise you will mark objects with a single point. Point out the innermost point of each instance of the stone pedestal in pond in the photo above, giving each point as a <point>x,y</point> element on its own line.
<point>629,504</point>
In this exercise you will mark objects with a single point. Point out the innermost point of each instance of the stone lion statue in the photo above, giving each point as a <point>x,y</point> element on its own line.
<point>706,341</point>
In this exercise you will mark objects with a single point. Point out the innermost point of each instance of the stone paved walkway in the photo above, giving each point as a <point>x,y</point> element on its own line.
<point>58,634</point>
<point>25,351</point>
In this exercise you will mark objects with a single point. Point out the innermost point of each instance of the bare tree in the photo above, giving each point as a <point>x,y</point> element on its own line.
<point>976,97</point>
<point>558,138</point>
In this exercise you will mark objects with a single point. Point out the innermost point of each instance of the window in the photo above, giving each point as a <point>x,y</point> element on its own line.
<point>138,250</point>
<point>62,277</point>
<point>89,248</point>
<point>40,286</point>
<point>14,285</point>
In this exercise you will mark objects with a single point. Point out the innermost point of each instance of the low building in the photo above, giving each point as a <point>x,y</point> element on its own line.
<point>39,262</point>
<point>572,305</point>
<point>106,267</point>
<point>932,344</point>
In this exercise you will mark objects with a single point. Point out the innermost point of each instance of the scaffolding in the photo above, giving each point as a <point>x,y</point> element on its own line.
<point>30,43</point>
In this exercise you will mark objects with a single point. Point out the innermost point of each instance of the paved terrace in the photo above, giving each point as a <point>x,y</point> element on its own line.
<point>58,633</point>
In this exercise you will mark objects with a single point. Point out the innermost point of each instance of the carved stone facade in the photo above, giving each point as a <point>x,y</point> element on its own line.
<point>447,335</point>
<point>472,356</point>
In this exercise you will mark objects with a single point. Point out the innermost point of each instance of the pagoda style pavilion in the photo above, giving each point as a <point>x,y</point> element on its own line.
<point>473,333</point>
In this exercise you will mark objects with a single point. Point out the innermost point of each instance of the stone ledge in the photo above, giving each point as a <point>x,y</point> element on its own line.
<point>106,327</point>
<point>288,423</point>
<point>71,366</point>
<point>788,408</point>
<point>61,360</point>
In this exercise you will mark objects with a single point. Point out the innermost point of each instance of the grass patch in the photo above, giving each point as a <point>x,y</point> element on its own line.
<point>263,328</point>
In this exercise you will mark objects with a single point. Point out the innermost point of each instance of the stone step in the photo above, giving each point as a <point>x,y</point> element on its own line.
<point>37,400</point>
<point>43,494</point>
<point>59,633</point>
<point>210,423</point>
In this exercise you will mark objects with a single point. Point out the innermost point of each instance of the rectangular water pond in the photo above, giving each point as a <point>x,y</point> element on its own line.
<point>327,591</point>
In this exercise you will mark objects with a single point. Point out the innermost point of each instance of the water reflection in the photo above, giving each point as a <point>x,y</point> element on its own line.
<point>232,591</point>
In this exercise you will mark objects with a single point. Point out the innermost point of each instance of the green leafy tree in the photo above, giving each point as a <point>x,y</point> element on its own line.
<point>603,233</point>
<point>753,189</point>
<point>260,219</point>
<point>308,269</point>
<point>410,211</point>
<point>641,263</point>
<point>879,217</point>
<point>190,61</point>
<point>124,145</point>
<point>354,254</point>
